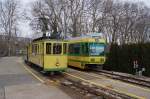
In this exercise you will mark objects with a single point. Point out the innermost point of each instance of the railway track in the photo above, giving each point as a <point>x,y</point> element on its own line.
<point>124,77</point>
<point>64,83</point>
<point>84,86</point>
<point>120,86</point>
<point>92,83</point>
<point>100,90</point>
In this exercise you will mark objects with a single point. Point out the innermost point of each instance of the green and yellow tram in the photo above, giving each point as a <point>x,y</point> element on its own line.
<point>50,55</point>
<point>86,53</point>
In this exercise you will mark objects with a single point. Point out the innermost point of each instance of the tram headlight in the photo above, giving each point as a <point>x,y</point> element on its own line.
<point>57,64</point>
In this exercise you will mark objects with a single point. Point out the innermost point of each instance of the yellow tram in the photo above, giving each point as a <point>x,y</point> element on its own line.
<point>86,53</point>
<point>50,55</point>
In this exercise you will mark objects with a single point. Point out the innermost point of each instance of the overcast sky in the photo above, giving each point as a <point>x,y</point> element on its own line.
<point>147,2</point>
<point>24,27</point>
<point>26,30</point>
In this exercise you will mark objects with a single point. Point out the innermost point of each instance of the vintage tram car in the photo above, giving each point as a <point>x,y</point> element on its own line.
<point>48,54</point>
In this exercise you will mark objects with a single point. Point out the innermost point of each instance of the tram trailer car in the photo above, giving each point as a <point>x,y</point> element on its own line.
<point>86,53</point>
<point>50,55</point>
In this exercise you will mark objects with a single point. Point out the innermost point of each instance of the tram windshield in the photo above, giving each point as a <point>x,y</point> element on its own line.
<point>96,49</point>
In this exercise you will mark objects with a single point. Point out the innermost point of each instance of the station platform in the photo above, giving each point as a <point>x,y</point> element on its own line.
<point>17,83</point>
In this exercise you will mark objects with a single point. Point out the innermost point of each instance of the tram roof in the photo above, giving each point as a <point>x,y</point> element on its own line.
<point>88,36</point>
<point>87,40</point>
<point>46,39</point>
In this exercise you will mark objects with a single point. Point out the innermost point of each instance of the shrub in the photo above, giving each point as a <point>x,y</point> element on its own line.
<point>120,58</point>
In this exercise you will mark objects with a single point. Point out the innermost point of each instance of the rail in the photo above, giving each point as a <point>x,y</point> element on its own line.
<point>82,84</point>
<point>125,77</point>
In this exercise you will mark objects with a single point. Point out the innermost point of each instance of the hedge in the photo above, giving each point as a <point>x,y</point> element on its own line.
<point>120,58</point>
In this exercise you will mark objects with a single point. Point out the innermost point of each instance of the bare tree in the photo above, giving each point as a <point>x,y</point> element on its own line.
<point>8,19</point>
<point>120,22</point>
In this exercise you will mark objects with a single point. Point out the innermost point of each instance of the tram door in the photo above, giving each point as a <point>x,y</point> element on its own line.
<point>57,52</point>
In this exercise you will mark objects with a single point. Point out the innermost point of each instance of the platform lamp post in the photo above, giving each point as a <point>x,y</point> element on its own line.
<point>44,22</point>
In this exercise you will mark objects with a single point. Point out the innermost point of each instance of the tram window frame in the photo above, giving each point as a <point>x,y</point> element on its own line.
<point>72,49</point>
<point>48,48</point>
<point>55,51</point>
<point>77,49</point>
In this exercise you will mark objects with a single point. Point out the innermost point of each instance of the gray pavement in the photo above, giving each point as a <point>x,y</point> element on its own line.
<point>17,83</point>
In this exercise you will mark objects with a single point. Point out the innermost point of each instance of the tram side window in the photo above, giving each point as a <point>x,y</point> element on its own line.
<point>74,49</point>
<point>85,49</point>
<point>65,48</point>
<point>57,48</point>
<point>48,48</point>
<point>70,48</point>
<point>35,48</point>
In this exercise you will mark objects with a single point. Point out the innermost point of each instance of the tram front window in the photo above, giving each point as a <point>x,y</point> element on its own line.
<point>96,49</point>
<point>57,48</point>
<point>48,48</point>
